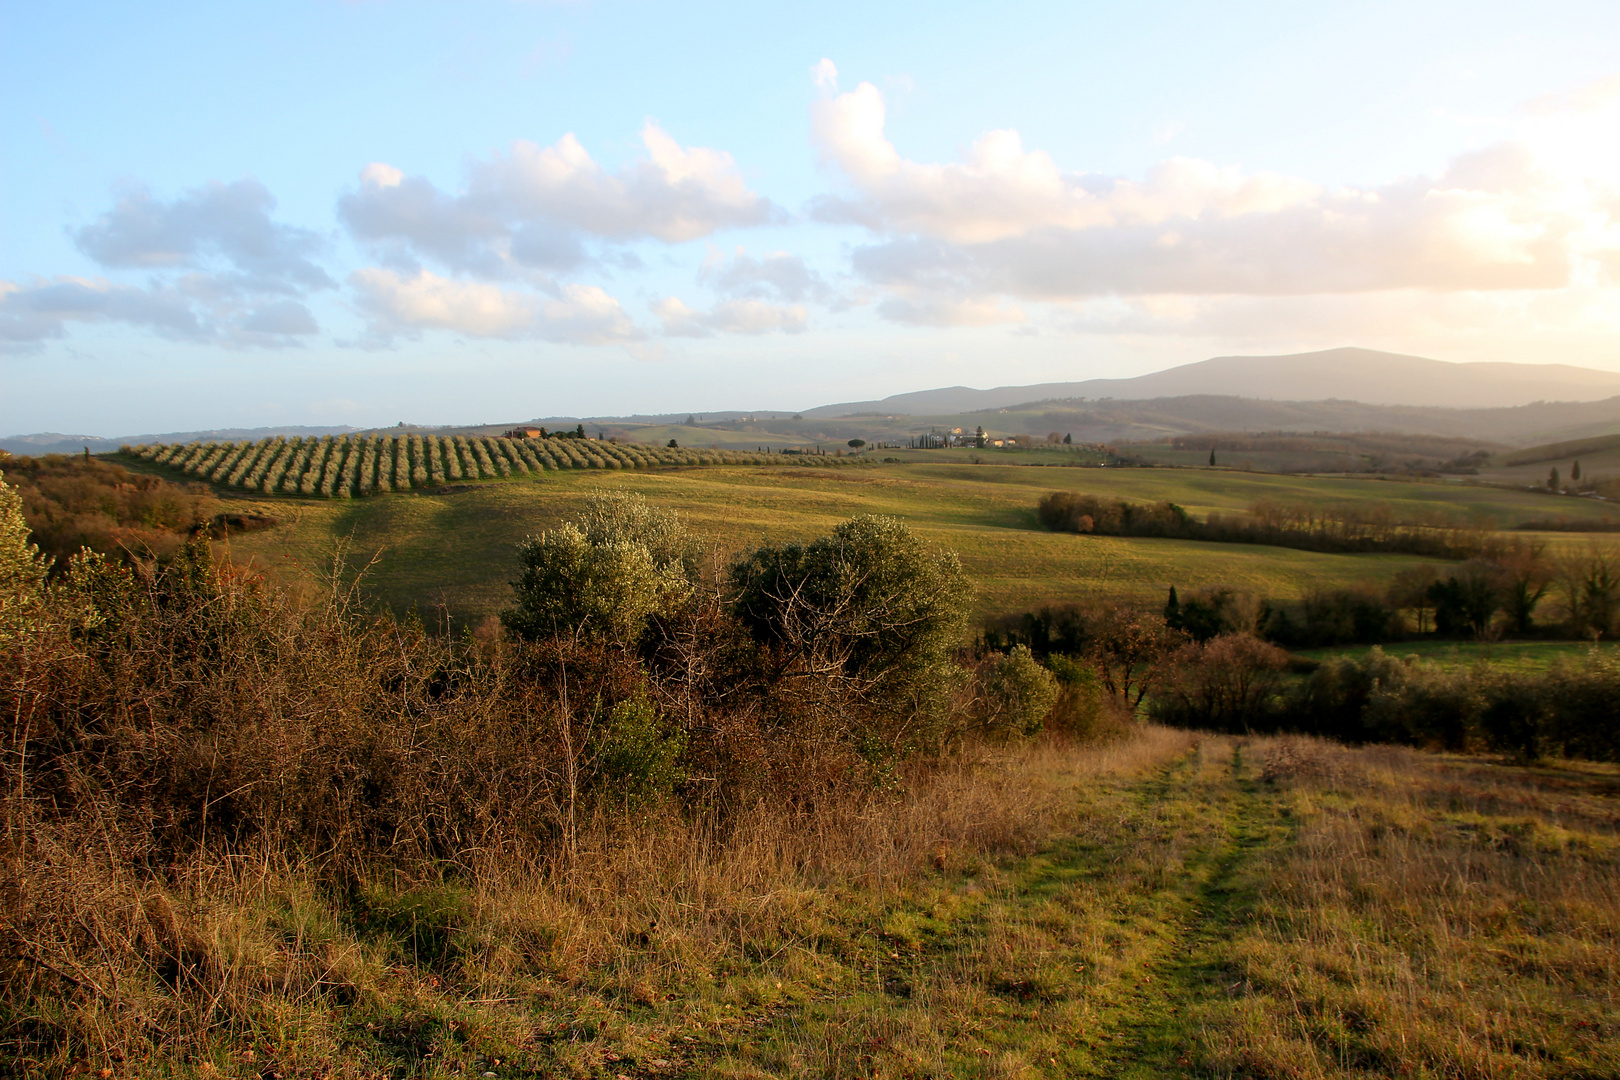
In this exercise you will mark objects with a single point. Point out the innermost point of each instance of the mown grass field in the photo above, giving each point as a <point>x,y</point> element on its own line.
<point>1505,655</point>
<point>454,551</point>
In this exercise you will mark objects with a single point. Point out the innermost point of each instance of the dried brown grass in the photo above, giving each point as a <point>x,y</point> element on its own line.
<point>236,824</point>
<point>1442,916</point>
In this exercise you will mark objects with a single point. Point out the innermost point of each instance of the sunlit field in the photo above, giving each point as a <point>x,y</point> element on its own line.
<point>454,551</point>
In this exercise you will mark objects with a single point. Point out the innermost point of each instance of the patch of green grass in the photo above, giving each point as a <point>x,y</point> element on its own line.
<point>1082,960</point>
<point>1257,907</point>
<point>1507,655</point>
<point>454,552</point>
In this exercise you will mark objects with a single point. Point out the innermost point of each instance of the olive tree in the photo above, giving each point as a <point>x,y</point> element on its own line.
<point>870,603</point>
<point>1018,693</point>
<point>601,577</point>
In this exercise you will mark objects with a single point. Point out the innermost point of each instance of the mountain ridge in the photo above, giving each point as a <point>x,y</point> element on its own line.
<point>1365,388</point>
<point>1367,376</point>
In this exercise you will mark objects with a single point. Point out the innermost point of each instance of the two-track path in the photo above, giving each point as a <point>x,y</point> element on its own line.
<point>1093,958</point>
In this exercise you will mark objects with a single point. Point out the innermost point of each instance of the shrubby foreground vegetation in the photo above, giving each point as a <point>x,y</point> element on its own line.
<point>757,816</point>
<point>74,503</point>
<point>176,726</point>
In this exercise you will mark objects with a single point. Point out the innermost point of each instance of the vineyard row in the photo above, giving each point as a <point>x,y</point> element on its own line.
<point>343,466</point>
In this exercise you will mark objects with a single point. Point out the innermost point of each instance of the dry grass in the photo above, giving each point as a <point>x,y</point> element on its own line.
<point>1167,904</point>
<point>648,930</point>
<point>1437,916</point>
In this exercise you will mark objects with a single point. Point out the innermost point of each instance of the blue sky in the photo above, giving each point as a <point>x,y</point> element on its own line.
<point>247,214</point>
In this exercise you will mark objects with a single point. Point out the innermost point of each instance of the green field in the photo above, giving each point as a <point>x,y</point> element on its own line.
<point>454,551</point>
<point>1504,655</point>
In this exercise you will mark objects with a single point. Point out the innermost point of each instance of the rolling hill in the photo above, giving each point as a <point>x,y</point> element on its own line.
<point>1348,374</point>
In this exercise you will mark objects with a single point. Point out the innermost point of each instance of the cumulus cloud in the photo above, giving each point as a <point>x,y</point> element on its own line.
<point>1002,190</point>
<point>578,314</point>
<point>280,318</point>
<point>778,275</point>
<point>529,208</point>
<point>404,218</point>
<point>729,317</point>
<point>217,223</point>
<point>1007,222</point>
<point>220,270</point>
<point>33,313</point>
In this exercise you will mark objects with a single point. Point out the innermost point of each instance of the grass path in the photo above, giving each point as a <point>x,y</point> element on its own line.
<point>1089,959</point>
<point>1218,896</point>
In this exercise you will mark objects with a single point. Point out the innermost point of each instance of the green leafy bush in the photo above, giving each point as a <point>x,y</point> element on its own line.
<point>638,755</point>
<point>1084,708</point>
<point>1018,693</point>
<point>871,601</point>
<point>603,577</point>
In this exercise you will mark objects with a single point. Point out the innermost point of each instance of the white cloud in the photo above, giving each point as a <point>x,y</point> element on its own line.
<point>405,218</point>
<point>215,223</point>
<point>221,270</point>
<point>579,314</point>
<point>1589,97</point>
<point>1006,222</point>
<point>824,73</point>
<point>528,208</point>
<point>381,175</point>
<point>673,194</point>
<point>778,274</point>
<point>282,317</point>
<point>34,313</point>
<point>1002,190</point>
<point>586,315</point>
<point>729,317</point>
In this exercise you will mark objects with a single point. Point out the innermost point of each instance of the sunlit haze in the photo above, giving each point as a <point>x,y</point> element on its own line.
<point>359,213</point>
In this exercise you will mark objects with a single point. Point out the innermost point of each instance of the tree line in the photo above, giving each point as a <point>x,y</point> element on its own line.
<point>1336,529</point>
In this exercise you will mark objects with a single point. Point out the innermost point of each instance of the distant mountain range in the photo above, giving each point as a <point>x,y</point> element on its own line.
<point>54,442</point>
<point>1344,390</point>
<point>1362,375</point>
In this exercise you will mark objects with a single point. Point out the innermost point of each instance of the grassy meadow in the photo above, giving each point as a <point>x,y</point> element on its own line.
<point>453,551</point>
<point>250,836</point>
<point>1502,655</point>
<point>1168,905</point>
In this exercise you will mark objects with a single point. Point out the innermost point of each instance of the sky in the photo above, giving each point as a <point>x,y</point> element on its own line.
<point>254,214</point>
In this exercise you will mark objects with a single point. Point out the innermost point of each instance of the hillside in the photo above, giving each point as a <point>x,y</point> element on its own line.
<point>1348,374</point>
<point>1113,421</point>
<point>452,551</point>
